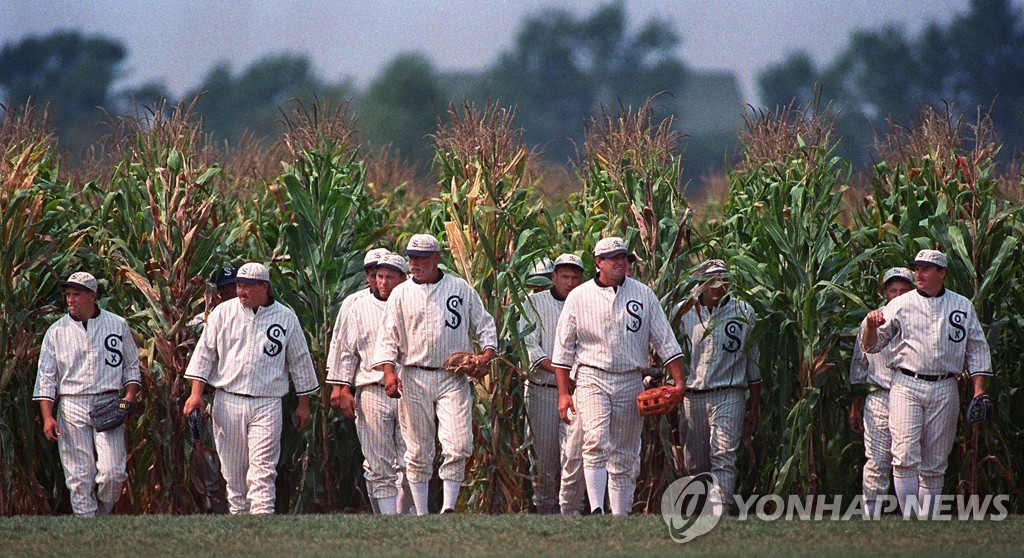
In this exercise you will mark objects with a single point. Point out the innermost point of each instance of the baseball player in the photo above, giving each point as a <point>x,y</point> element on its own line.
<point>935,336</point>
<point>87,359</point>
<point>871,379</point>
<point>370,271</point>
<point>539,278</point>
<point>607,328</point>
<point>541,394</point>
<point>722,365</point>
<point>249,349</point>
<point>426,320</point>
<point>376,414</point>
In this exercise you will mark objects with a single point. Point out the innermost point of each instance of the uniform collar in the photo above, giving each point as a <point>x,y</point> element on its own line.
<point>554,295</point>
<point>926,295</point>
<point>440,275</point>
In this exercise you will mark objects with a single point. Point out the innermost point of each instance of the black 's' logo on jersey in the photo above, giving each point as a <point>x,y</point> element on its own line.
<point>956,321</point>
<point>113,346</point>
<point>634,308</point>
<point>733,343</point>
<point>455,319</point>
<point>274,335</point>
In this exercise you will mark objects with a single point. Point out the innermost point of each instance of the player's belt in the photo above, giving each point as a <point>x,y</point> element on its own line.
<point>427,368</point>
<point>712,390</point>
<point>539,384</point>
<point>239,394</point>
<point>926,377</point>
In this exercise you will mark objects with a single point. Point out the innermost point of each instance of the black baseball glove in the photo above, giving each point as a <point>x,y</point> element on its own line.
<point>196,425</point>
<point>111,414</point>
<point>980,409</point>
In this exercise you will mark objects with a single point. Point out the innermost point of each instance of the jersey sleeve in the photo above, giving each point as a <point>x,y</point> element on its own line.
<point>343,360</point>
<point>299,361</point>
<point>978,357</point>
<point>389,337</point>
<point>662,338</point>
<point>859,360</point>
<point>566,336</point>
<point>130,370</point>
<point>204,357</point>
<point>531,319</point>
<point>46,374</point>
<point>484,331</point>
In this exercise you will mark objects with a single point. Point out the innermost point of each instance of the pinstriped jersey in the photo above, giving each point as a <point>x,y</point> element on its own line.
<point>934,335</point>
<point>353,343</point>
<point>89,359</point>
<point>720,352</point>
<point>870,369</point>
<point>541,310</point>
<point>613,329</point>
<point>253,353</point>
<point>424,323</point>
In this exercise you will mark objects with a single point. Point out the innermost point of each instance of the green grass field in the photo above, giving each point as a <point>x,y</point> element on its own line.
<point>480,535</point>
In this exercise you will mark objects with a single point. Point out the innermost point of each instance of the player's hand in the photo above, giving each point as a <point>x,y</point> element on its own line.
<point>856,419</point>
<point>343,400</point>
<point>192,403</point>
<point>392,385</point>
<point>50,429</point>
<point>875,319</point>
<point>302,415</point>
<point>751,421</point>
<point>564,406</point>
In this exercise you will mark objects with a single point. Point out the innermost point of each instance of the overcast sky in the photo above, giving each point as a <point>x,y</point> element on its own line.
<point>177,41</point>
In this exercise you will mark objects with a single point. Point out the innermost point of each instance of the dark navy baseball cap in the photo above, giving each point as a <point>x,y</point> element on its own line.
<point>224,276</point>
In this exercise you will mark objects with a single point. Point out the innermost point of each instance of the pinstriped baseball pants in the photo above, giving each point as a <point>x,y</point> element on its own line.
<point>572,487</point>
<point>714,423</point>
<point>612,427</point>
<point>247,432</point>
<point>435,403</point>
<point>542,432</point>
<point>877,445</point>
<point>94,462</point>
<point>922,419</point>
<point>381,440</point>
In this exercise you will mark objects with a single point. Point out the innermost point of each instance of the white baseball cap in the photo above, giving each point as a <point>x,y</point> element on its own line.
<point>711,267</point>
<point>898,273</point>
<point>81,280</point>
<point>422,245</point>
<point>253,272</point>
<point>610,247</point>
<point>569,259</point>
<point>929,258</point>
<point>542,267</point>
<point>395,262</point>
<point>373,256</point>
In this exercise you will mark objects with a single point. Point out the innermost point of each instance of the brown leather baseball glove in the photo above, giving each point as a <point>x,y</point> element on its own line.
<point>659,400</point>
<point>464,363</point>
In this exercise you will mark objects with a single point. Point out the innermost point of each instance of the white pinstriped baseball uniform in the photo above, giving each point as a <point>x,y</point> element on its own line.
<point>249,357</point>
<point>424,323</point>
<point>541,397</point>
<point>871,377</point>
<point>608,333</point>
<point>80,368</point>
<point>348,363</point>
<point>938,338</point>
<point>572,487</point>
<point>722,365</point>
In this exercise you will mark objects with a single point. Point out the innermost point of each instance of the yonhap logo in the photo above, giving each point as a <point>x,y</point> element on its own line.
<point>690,507</point>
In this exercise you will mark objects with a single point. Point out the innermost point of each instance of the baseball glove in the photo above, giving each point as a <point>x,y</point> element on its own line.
<point>463,363</point>
<point>196,425</point>
<point>980,409</point>
<point>656,401</point>
<point>111,414</point>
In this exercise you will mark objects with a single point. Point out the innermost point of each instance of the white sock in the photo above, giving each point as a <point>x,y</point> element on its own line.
<point>929,500</point>
<point>621,501</point>
<point>375,505</point>
<point>906,495</point>
<point>388,506</point>
<point>451,494</point>
<point>597,481</point>
<point>405,504</point>
<point>566,510</point>
<point>420,496</point>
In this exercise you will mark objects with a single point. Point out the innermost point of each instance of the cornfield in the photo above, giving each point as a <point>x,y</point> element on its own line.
<point>160,208</point>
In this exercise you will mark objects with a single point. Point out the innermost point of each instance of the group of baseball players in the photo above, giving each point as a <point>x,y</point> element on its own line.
<point>592,346</point>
